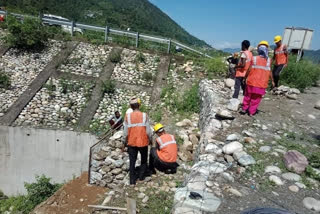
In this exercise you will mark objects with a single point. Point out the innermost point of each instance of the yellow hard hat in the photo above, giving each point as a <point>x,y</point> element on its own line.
<point>139,101</point>
<point>277,39</point>
<point>158,127</point>
<point>263,42</point>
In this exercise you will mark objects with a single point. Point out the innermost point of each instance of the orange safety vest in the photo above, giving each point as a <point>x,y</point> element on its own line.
<point>137,129</point>
<point>241,72</point>
<point>168,148</point>
<point>280,54</point>
<point>260,72</point>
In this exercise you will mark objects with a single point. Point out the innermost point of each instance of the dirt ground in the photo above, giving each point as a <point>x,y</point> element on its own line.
<point>281,116</point>
<point>73,197</point>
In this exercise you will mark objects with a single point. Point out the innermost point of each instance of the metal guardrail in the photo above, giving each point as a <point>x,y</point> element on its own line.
<point>109,31</point>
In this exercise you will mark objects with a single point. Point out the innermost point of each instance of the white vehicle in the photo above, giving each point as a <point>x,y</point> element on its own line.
<point>65,28</point>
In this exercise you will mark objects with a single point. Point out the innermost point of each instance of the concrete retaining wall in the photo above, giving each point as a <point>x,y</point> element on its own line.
<point>26,152</point>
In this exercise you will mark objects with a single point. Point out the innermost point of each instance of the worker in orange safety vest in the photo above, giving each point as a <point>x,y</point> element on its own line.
<point>257,79</point>
<point>137,135</point>
<point>164,156</point>
<point>280,58</point>
<point>242,68</point>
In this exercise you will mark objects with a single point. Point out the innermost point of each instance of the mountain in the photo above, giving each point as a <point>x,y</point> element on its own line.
<point>231,50</point>
<point>138,15</point>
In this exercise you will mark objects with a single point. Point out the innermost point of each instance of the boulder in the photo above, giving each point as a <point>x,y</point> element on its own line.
<point>212,148</point>
<point>117,135</point>
<point>187,145</point>
<point>311,204</point>
<point>265,149</point>
<point>276,180</point>
<point>225,114</point>
<point>232,147</point>
<point>249,140</point>
<point>233,104</point>
<point>208,204</point>
<point>294,91</point>
<point>232,137</point>
<point>246,160</point>
<point>291,176</point>
<point>193,138</point>
<point>295,161</point>
<point>238,154</point>
<point>185,155</point>
<point>292,96</point>
<point>184,123</point>
<point>208,168</point>
<point>229,83</point>
<point>317,105</point>
<point>272,169</point>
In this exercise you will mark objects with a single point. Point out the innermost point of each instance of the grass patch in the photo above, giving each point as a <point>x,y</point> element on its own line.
<point>147,76</point>
<point>5,81</point>
<point>215,67</point>
<point>115,57</point>
<point>108,87</point>
<point>300,75</point>
<point>156,115</point>
<point>159,203</point>
<point>140,58</point>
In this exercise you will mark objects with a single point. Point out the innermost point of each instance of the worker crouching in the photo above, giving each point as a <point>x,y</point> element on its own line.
<point>137,135</point>
<point>163,157</point>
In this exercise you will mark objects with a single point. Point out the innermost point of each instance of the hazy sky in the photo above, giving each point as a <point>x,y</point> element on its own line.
<point>224,24</point>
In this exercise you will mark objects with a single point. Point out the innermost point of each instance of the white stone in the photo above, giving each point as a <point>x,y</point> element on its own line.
<point>233,104</point>
<point>276,180</point>
<point>209,183</point>
<point>208,204</point>
<point>317,105</point>
<point>291,176</point>
<point>272,169</point>
<point>117,135</point>
<point>212,148</point>
<point>207,168</point>
<point>225,114</point>
<point>232,137</point>
<point>228,177</point>
<point>238,154</point>
<point>229,83</point>
<point>265,149</point>
<point>145,200</point>
<point>312,116</point>
<point>246,160</point>
<point>235,192</point>
<point>312,204</point>
<point>184,123</point>
<point>230,148</point>
<point>294,188</point>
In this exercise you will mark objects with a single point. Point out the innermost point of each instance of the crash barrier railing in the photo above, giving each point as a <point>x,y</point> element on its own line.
<point>107,30</point>
<point>106,135</point>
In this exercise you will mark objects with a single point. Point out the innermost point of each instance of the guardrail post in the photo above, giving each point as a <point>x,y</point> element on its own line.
<point>72,28</point>
<point>106,34</point>
<point>169,46</point>
<point>137,40</point>
<point>6,15</point>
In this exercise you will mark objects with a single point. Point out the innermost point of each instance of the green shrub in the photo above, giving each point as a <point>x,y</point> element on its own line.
<point>67,86</point>
<point>109,87</point>
<point>156,115</point>
<point>312,173</point>
<point>300,75</point>
<point>215,67</point>
<point>140,58</point>
<point>5,81</point>
<point>30,34</point>
<point>37,192</point>
<point>115,57</point>
<point>190,101</point>
<point>147,76</point>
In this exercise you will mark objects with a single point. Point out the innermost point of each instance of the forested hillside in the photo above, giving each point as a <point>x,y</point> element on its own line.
<point>138,15</point>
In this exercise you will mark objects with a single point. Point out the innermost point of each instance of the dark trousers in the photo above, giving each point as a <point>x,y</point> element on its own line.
<point>239,82</point>
<point>277,69</point>
<point>155,162</point>
<point>133,153</point>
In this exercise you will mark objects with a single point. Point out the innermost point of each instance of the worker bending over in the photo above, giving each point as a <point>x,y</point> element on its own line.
<point>163,157</point>
<point>137,135</point>
<point>281,59</point>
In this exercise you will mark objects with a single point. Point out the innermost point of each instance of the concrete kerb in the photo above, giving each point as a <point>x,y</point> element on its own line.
<point>16,108</point>
<point>201,171</point>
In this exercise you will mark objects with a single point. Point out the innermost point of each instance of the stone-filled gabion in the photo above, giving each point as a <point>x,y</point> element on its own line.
<point>55,108</point>
<point>114,102</point>
<point>87,59</point>
<point>134,70</point>
<point>23,67</point>
<point>109,166</point>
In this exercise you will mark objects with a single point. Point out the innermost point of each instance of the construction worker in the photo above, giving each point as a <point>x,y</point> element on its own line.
<point>137,135</point>
<point>116,121</point>
<point>242,68</point>
<point>163,157</point>
<point>280,58</point>
<point>233,61</point>
<point>257,79</point>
